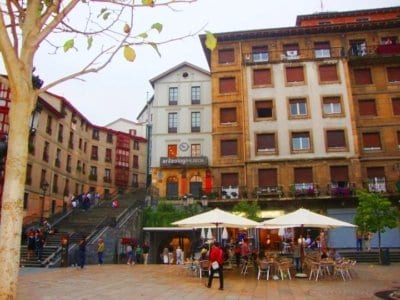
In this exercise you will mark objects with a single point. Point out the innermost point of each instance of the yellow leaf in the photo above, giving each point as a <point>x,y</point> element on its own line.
<point>211,40</point>
<point>129,53</point>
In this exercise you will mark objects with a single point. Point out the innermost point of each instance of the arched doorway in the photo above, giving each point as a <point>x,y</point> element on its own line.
<point>196,186</point>
<point>172,187</point>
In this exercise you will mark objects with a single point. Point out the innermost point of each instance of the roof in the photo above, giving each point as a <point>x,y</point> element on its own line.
<point>177,67</point>
<point>167,229</point>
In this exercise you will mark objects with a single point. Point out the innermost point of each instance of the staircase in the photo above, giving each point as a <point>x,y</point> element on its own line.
<point>370,257</point>
<point>80,223</point>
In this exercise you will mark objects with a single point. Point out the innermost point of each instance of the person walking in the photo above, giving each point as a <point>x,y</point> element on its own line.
<point>100,251</point>
<point>179,254</point>
<point>216,265</point>
<point>146,250</point>
<point>129,254</point>
<point>138,254</point>
<point>82,252</point>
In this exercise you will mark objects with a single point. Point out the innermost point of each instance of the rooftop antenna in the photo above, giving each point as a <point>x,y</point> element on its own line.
<point>322,5</point>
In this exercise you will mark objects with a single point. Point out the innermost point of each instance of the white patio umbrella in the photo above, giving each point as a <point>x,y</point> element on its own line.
<point>224,234</point>
<point>202,233</point>
<point>209,234</point>
<point>217,218</point>
<point>304,218</point>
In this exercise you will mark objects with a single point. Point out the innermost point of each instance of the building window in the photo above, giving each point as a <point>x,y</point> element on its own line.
<point>298,107</point>
<point>367,107</point>
<point>262,77</point>
<point>57,162</point>
<point>108,157</point>
<point>135,180</point>
<point>26,200</point>
<point>229,179</point>
<point>396,106</point>
<point>60,133</point>
<point>301,141</point>
<point>48,125</point>
<point>80,143</point>
<point>291,51</point>
<point>95,134</point>
<point>228,147</point>
<point>328,73</point>
<point>260,53</point>
<point>195,150</point>
<point>226,56</point>
<point>172,122</point>
<point>172,150</point>
<point>135,145</point>
<point>93,173</point>
<point>398,139</point>
<point>195,122</point>
<point>46,151</point>
<point>195,94</point>
<point>336,140</point>
<point>135,163</point>
<point>94,153</point>
<point>227,115</point>
<point>263,109</point>
<point>393,74</point>
<point>358,48</point>
<point>227,85</point>
<point>265,143</point>
<point>107,176</point>
<point>55,184</point>
<point>362,76</point>
<point>303,179</point>
<point>28,179</point>
<point>294,74</point>
<point>173,96</point>
<point>376,179</point>
<point>71,140</point>
<point>267,178</point>
<point>109,138</point>
<point>371,141</point>
<point>322,49</point>
<point>331,106</point>
<point>43,177</point>
<point>69,163</point>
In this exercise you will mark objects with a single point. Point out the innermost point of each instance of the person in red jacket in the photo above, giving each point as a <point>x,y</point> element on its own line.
<point>216,255</point>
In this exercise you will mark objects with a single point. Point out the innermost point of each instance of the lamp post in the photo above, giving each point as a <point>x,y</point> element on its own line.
<point>44,186</point>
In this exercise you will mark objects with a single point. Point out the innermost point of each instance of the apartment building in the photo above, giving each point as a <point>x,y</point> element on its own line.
<point>180,125</point>
<point>308,113</point>
<point>68,155</point>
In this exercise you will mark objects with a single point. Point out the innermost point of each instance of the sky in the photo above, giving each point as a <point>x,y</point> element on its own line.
<point>122,89</point>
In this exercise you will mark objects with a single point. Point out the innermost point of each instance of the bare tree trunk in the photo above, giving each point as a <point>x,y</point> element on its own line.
<point>12,207</point>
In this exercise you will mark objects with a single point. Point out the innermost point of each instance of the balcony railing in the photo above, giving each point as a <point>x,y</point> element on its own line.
<point>268,192</point>
<point>352,52</point>
<point>304,189</point>
<point>341,189</point>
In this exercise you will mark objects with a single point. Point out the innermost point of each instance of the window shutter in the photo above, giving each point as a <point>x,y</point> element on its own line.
<point>228,115</point>
<point>303,175</point>
<point>367,107</point>
<point>226,56</point>
<point>328,73</point>
<point>261,76</point>
<point>339,173</point>
<point>267,177</point>
<point>227,85</point>
<point>362,76</point>
<point>393,74</point>
<point>294,74</point>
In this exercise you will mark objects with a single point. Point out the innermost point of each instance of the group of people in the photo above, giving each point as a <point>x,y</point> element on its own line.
<point>36,239</point>
<point>364,241</point>
<point>137,254</point>
<point>170,255</point>
<point>85,200</point>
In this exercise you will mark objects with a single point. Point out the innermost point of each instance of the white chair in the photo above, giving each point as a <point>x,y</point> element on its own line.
<point>263,268</point>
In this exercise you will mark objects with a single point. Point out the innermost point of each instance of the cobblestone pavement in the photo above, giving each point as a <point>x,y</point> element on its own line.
<point>174,282</point>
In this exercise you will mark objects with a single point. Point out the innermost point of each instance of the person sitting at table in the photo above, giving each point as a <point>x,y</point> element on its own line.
<point>334,255</point>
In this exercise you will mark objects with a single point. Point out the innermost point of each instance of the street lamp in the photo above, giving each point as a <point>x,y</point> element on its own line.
<point>44,186</point>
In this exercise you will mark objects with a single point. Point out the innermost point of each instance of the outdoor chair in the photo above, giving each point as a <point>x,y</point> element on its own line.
<point>203,268</point>
<point>342,268</point>
<point>283,269</point>
<point>263,268</point>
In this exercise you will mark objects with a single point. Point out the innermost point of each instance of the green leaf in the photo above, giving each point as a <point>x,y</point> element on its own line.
<point>148,2</point>
<point>89,42</point>
<point>129,53</point>
<point>211,40</point>
<point>102,11</point>
<point>155,48</point>
<point>106,15</point>
<point>157,26</point>
<point>144,35</point>
<point>69,44</point>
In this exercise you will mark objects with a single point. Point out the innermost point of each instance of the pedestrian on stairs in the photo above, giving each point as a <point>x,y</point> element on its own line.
<point>100,251</point>
<point>82,252</point>
<point>39,242</point>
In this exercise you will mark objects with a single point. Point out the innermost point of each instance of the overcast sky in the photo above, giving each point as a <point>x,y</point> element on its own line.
<point>121,90</point>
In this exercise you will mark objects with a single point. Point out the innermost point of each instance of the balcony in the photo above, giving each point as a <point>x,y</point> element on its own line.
<point>341,189</point>
<point>268,192</point>
<point>304,189</point>
<point>376,185</point>
<point>230,192</point>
